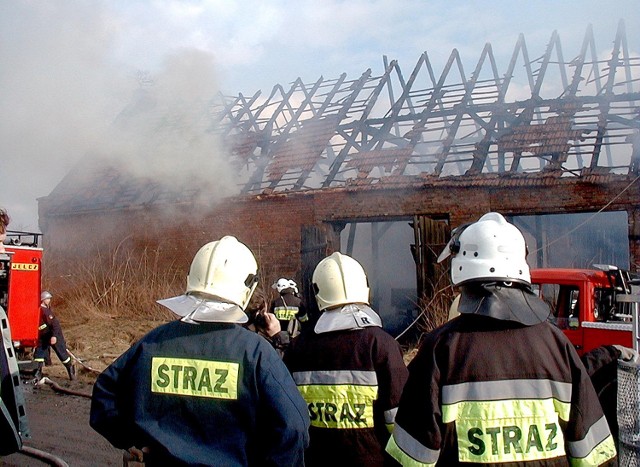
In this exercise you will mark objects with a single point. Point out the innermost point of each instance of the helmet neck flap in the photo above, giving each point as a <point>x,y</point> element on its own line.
<point>502,301</point>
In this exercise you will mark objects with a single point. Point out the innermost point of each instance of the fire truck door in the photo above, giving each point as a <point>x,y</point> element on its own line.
<point>564,302</point>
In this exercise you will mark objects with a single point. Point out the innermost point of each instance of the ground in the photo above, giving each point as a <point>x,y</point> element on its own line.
<point>59,423</point>
<point>59,426</point>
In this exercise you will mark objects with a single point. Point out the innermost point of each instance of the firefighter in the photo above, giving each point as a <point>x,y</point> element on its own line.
<point>289,307</point>
<point>13,420</point>
<point>348,369</point>
<point>50,336</point>
<point>498,384</point>
<point>202,390</point>
<point>602,366</point>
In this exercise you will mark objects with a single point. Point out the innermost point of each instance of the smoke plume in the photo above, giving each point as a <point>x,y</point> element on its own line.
<point>66,97</point>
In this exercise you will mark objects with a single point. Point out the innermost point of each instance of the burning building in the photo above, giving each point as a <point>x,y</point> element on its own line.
<point>317,163</point>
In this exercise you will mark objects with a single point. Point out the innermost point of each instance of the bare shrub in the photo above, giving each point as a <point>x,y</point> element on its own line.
<point>121,282</point>
<point>433,311</point>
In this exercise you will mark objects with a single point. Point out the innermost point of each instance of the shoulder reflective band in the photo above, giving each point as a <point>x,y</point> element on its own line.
<point>595,448</point>
<point>408,451</point>
<point>284,313</point>
<point>339,399</point>
<point>201,378</point>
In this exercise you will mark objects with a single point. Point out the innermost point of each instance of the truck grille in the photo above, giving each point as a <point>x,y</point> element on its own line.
<point>629,413</point>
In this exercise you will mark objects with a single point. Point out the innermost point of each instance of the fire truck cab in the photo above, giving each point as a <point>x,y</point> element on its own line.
<point>593,307</point>
<point>20,283</point>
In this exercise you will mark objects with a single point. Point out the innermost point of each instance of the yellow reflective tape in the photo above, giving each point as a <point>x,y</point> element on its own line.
<point>25,266</point>
<point>285,313</point>
<point>599,455</point>
<point>506,431</point>
<point>340,406</point>
<point>43,327</point>
<point>187,377</point>
<point>514,408</point>
<point>403,458</point>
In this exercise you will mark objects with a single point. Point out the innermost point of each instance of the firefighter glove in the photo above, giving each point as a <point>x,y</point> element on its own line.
<point>626,353</point>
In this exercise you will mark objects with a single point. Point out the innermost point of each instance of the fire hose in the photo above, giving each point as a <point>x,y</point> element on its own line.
<point>56,387</point>
<point>83,364</point>
<point>43,456</point>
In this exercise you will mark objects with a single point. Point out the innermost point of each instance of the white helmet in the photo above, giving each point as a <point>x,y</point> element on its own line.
<point>489,249</point>
<point>282,284</point>
<point>225,269</point>
<point>45,295</point>
<point>339,280</point>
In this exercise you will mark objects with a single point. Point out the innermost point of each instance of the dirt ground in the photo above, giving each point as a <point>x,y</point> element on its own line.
<point>59,426</point>
<point>59,423</point>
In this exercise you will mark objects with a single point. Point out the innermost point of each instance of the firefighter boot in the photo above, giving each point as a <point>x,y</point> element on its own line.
<point>71,370</point>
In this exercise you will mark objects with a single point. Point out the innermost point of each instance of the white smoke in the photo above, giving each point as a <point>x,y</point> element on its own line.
<point>66,97</point>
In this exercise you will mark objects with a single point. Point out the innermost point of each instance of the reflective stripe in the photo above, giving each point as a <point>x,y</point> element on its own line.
<point>390,415</point>
<point>507,389</point>
<point>303,318</point>
<point>535,390</point>
<point>505,409</point>
<point>190,377</point>
<point>42,326</point>
<point>595,448</point>
<point>409,451</point>
<point>284,313</point>
<point>339,399</point>
<point>389,419</point>
<point>360,377</point>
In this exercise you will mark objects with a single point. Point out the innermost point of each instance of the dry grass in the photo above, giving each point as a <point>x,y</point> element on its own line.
<point>108,304</point>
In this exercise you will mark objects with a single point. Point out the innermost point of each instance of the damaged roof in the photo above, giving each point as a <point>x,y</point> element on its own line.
<point>548,116</point>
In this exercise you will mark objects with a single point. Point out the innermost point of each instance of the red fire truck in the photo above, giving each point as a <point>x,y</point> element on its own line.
<point>20,282</point>
<point>593,307</point>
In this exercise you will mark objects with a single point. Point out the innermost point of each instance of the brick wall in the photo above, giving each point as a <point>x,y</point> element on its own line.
<point>271,224</point>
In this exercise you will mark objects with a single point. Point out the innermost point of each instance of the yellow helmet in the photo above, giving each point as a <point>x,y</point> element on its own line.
<point>339,280</point>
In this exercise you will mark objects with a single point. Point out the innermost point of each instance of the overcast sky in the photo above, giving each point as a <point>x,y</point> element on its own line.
<point>68,67</point>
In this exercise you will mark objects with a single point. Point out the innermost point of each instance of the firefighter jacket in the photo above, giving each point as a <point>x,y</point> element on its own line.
<point>49,324</point>
<point>602,366</point>
<point>202,394</point>
<point>49,327</point>
<point>351,375</point>
<point>494,391</point>
<point>290,311</point>
<point>13,419</point>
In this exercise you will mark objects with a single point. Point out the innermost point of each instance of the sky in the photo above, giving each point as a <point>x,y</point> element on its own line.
<point>69,68</point>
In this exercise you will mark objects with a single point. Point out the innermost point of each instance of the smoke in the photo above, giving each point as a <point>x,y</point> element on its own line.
<point>166,133</point>
<point>66,97</point>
